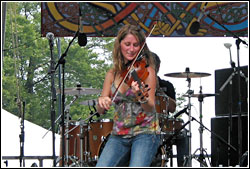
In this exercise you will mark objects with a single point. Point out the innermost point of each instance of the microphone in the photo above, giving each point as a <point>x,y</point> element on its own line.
<point>180,112</point>
<point>194,28</point>
<point>50,37</point>
<point>228,46</point>
<point>82,38</point>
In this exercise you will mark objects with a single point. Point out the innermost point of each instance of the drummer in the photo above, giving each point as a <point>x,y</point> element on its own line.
<point>167,87</point>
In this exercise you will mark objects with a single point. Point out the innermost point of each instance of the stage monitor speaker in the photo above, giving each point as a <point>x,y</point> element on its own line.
<point>228,98</point>
<point>219,150</point>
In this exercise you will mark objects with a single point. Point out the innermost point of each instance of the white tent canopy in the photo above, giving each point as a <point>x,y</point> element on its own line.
<point>34,143</point>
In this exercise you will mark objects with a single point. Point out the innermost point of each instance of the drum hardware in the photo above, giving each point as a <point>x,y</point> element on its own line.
<point>169,141</point>
<point>84,140</point>
<point>91,102</point>
<point>180,112</point>
<point>201,157</point>
<point>187,74</point>
<point>201,95</point>
<point>68,158</point>
<point>216,136</point>
<point>73,159</point>
<point>189,92</point>
<point>77,91</point>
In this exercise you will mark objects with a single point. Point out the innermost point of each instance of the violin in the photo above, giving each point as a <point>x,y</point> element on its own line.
<point>138,73</point>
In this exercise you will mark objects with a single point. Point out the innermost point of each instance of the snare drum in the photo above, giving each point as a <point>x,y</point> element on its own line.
<point>170,125</point>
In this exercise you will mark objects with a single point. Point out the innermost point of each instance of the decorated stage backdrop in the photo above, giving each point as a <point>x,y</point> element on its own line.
<point>172,19</point>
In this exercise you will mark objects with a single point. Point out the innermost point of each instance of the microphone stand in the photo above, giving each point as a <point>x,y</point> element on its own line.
<point>62,61</point>
<point>21,136</point>
<point>53,99</point>
<point>238,41</point>
<point>229,80</point>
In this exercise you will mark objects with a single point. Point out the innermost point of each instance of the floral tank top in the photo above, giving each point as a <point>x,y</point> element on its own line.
<point>129,117</point>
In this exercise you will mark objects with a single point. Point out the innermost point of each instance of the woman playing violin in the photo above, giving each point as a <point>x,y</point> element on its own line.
<point>135,138</point>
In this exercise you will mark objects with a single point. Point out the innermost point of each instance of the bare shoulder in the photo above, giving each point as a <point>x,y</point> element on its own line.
<point>110,75</point>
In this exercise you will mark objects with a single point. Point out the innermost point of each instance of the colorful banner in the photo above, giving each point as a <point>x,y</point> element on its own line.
<point>172,19</point>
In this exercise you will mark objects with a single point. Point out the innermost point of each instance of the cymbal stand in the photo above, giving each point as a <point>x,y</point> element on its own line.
<point>188,160</point>
<point>201,157</point>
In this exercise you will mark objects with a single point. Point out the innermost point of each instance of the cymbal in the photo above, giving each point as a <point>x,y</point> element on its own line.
<point>92,102</point>
<point>201,95</point>
<point>81,91</point>
<point>187,74</point>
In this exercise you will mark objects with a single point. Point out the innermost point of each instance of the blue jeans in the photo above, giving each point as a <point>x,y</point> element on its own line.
<point>138,151</point>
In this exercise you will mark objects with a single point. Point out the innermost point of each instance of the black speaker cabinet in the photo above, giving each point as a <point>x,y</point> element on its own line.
<point>219,150</point>
<point>228,98</point>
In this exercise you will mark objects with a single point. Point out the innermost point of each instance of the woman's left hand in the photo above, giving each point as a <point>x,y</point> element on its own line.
<point>135,87</point>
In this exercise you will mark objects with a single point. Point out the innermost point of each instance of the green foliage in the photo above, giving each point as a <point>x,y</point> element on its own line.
<point>27,61</point>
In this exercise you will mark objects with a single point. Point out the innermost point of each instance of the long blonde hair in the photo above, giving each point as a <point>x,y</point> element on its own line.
<point>118,59</point>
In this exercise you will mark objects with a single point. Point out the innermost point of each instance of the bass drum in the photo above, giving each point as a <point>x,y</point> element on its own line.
<point>97,133</point>
<point>158,161</point>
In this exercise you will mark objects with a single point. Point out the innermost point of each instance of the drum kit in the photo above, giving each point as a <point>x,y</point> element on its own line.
<point>188,75</point>
<point>85,139</point>
<point>172,127</point>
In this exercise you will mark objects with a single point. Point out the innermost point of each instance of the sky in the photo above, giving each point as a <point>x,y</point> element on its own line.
<point>202,55</point>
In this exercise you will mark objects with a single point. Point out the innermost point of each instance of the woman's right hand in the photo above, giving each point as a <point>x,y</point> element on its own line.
<point>104,102</point>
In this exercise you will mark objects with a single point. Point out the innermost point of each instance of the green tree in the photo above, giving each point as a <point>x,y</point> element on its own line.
<point>26,63</point>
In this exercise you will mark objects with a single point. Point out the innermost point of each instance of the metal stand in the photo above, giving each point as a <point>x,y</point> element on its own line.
<point>53,94</point>
<point>63,61</point>
<point>68,157</point>
<point>201,157</point>
<point>21,136</point>
<point>188,160</point>
<point>230,82</point>
<point>238,41</point>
